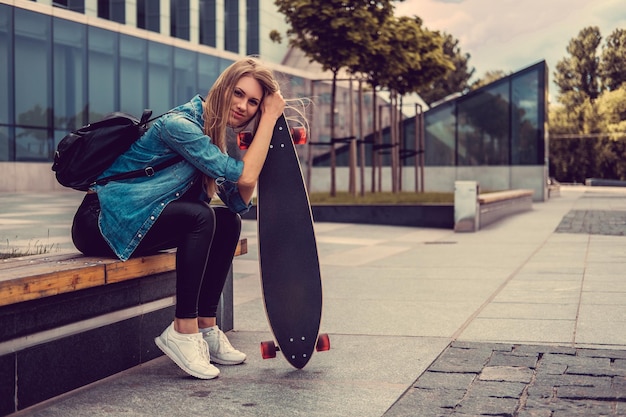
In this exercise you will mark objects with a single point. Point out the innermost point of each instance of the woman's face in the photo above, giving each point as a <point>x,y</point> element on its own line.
<point>245,103</point>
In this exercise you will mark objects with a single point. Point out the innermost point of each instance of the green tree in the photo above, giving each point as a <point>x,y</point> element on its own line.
<point>612,110</point>
<point>455,80</point>
<point>415,59</point>
<point>613,60</point>
<point>580,70</point>
<point>416,56</point>
<point>334,33</point>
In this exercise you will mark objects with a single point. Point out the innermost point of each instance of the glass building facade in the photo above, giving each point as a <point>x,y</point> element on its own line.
<point>61,74</point>
<point>495,135</point>
<point>500,124</point>
<point>503,123</point>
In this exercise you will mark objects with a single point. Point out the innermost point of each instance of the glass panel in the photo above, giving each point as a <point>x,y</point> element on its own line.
<point>6,55</point>
<point>33,144</point>
<point>74,5</point>
<point>118,11</point>
<point>409,145</point>
<point>69,76</point>
<point>133,53</point>
<point>252,27</point>
<point>231,26</point>
<point>149,15</point>
<point>208,71</point>
<point>32,85</point>
<point>160,77</point>
<point>225,63</point>
<point>32,63</point>
<point>103,9</point>
<point>440,135</point>
<point>179,19</point>
<point>526,135</point>
<point>207,23</point>
<point>184,75</point>
<point>5,154</point>
<point>483,127</point>
<point>102,73</point>
<point>58,136</point>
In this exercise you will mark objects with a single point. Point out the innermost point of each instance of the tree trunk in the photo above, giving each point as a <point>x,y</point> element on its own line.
<point>375,138</point>
<point>361,138</point>
<point>333,156</point>
<point>352,149</point>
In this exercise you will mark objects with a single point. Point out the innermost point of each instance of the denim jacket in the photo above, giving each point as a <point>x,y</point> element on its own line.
<point>130,207</point>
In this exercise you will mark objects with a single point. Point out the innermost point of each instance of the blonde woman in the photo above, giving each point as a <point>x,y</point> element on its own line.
<point>169,209</point>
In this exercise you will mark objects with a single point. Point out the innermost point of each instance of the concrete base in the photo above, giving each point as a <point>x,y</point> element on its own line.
<point>426,215</point>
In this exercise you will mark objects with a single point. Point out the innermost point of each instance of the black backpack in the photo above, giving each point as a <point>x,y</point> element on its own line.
<point>84,154</point>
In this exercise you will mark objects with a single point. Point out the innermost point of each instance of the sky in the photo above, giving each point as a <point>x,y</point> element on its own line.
<point>510,35</point>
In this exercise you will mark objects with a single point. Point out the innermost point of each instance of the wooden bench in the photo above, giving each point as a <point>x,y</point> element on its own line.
<point>497,205</point>
<point>69,320</point>
<point>32,277</point>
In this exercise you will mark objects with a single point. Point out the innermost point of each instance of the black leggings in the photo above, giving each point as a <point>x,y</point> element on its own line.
<point>206,238</point>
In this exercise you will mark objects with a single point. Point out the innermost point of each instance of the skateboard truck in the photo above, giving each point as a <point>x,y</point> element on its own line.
<point>298,135</point>
<point>269,348</point>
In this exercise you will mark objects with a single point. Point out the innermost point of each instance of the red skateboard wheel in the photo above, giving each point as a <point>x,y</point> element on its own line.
<point>268,349</point>
<point>298,134</point>
<point>323,343</point>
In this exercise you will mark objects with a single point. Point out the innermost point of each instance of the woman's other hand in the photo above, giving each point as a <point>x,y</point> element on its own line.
<point>273,106</point>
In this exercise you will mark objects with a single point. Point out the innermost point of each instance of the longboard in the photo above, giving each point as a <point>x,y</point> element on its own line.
<point>288,256</point>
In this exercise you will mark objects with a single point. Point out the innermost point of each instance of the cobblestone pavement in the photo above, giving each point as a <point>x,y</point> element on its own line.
<point>597,222</point>
<point>482,379</point>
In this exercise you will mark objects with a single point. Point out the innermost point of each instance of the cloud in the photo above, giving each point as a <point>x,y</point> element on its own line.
<point>509,35</point>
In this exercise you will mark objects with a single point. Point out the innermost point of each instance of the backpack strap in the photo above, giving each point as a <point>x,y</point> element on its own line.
<point>147,171</point>
<point>145,117</point>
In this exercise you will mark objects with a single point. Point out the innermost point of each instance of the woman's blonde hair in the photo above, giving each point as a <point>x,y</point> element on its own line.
<point>219,99</point>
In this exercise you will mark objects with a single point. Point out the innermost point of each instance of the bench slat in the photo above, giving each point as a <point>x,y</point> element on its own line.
<point>32,277</point>
<point>45,284</point>
<point>487,198</point>
<point>140,267</point>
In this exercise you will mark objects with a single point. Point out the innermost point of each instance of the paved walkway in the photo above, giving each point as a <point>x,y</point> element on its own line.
<point>524,318</point>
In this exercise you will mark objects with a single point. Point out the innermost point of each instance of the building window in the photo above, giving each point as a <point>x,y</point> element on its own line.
<point>484,126</point>
<point>114,10</point>
<point>33,84</point>
<point>252,28</point>
<point>7,135</point>
<point>73,5</point>
<point>231,26</point>
<point>185,75</point>
<point>160,77</point>
<point>208,71</point>
<point>526,125</point>
<point>208,23</point>
<point>179,19</point>
<point>103,80</point>
<point>440,132</point>
<point>133,74</point>
<point>149,15</point>
<point>69,60</point>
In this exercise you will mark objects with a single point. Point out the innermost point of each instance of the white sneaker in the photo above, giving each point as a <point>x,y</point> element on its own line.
<point>220,349</point>
<point>188,351</point>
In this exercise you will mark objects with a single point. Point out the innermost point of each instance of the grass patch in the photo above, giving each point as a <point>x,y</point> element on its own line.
<point>33,248</point>
<point>383,198</point>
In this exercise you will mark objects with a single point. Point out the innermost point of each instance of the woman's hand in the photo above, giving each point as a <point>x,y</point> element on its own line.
<point>273,106</point>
